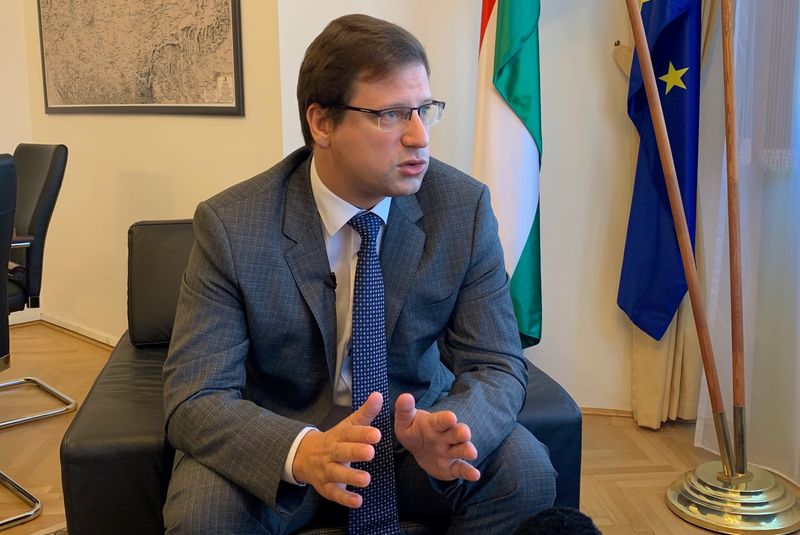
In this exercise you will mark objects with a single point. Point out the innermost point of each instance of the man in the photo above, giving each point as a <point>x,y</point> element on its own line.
<point>309,382</point>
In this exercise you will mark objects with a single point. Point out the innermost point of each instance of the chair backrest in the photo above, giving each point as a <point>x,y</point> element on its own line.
<point>40,171</point>
<point>158,252</point>
<point>8,196</point>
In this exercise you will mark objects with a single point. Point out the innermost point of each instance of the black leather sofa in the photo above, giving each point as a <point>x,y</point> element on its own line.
<point>115,459</point>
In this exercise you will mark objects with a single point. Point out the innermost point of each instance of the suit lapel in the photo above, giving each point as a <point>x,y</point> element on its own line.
<point>401,251</point>
<point>308,260</point>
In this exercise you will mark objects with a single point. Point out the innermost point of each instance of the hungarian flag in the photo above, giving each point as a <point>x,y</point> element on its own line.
<point>652,283</point>
<point>508,146</point>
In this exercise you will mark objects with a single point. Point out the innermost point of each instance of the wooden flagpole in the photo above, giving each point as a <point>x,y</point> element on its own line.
<point>722,496</point>
<point>684,240</point>
<point>734,242</point>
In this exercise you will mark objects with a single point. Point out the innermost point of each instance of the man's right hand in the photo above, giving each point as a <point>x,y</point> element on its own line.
<point>323,458</point>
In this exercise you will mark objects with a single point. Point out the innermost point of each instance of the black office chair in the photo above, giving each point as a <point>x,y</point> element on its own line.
<point>8,198</point>
<point>40,171</point>
<point>8,195</point>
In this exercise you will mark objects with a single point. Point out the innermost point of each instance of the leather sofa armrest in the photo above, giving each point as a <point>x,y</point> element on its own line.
<point>115,458</point>
<point>554,418</point>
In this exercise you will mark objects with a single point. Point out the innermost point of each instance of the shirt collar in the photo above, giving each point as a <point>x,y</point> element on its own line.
<point>336,212</point>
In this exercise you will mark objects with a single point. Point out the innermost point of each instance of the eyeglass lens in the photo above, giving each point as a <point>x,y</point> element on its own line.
<point>429,114</point>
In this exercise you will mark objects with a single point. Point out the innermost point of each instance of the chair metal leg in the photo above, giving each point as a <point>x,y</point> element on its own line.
<point>69,403</point>
<point>25,496</point>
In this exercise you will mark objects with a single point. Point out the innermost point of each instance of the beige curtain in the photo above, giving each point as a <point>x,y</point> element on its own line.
<point>665,374</point>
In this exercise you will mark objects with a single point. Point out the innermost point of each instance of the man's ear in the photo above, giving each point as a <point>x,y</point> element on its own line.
<point>319,124</point>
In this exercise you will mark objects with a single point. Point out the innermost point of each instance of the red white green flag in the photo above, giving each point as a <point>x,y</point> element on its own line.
<point>508,146</point>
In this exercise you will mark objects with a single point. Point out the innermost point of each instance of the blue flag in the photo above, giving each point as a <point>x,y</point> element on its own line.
<point>652,283</point>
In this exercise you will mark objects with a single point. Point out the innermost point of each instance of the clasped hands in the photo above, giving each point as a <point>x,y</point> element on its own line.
<point>439,443</point>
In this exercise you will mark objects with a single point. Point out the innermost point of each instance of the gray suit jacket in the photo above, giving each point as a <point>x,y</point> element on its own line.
<point>253,348</point>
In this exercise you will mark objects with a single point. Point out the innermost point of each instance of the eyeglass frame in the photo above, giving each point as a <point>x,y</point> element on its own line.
<point>411,110</point>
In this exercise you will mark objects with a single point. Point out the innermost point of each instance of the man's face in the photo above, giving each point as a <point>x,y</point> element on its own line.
<point>362,164</point>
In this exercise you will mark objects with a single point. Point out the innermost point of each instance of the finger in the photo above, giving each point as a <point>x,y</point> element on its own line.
<point>339,494</point>
<point>465,451</point>
<point>347,452</point>
<point>453,436</point>
<point>359,434</point>
<point>463,470</point>
<point>368,411</point>
<point>459,434</point>
<point>405,410</point>
<point>443,421</point>
<point>345,475</point>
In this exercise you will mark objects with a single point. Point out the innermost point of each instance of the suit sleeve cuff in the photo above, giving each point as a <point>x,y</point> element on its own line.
<point>288,465</point>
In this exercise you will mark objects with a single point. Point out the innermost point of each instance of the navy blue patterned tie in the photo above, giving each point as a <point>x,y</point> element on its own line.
<point>378,511</point>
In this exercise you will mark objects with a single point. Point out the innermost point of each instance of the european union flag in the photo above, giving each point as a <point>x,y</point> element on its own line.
<point>652,283</point>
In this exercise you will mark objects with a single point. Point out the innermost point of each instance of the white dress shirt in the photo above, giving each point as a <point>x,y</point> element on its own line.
<point>342,243</point>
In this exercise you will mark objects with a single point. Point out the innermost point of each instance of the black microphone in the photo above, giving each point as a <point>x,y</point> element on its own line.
<point>332,277</point>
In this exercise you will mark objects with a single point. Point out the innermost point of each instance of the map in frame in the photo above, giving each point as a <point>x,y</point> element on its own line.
<point>141,56</point>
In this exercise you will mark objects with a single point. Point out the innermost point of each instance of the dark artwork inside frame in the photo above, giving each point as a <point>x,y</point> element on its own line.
<point>183,58</point>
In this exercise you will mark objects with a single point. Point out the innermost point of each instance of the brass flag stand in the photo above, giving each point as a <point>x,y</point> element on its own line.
<point>725,496</point>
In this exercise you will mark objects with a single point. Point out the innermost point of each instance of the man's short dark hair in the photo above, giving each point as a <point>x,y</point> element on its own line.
<point>350,48</point>
<point>558,521</point>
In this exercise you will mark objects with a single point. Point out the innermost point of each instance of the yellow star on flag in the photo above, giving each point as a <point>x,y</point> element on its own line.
<point>673,78</point>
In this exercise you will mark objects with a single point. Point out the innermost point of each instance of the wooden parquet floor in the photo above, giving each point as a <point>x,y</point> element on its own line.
<point>29,452</point>
<point>626,469</point>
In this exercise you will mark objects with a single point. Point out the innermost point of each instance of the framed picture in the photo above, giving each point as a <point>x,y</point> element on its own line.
<point>141,56</point>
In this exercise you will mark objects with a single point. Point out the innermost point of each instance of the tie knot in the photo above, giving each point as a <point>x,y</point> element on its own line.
<point>367,224</point>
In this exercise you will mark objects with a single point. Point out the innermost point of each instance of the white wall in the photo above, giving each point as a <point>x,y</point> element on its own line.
<point>127,168</point>
<point>586,184</point>
<point>15,116</point>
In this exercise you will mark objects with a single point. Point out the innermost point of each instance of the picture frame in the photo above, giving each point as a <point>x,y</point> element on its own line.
<point>138,57</point>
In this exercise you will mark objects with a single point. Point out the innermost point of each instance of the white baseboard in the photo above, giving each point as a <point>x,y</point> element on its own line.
<point>108,339</point>
<point>25,316</point>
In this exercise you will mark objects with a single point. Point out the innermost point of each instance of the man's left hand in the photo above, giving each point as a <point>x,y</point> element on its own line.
<point>440,444</point>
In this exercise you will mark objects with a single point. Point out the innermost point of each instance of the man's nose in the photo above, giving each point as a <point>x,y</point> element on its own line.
<point>416,133</point>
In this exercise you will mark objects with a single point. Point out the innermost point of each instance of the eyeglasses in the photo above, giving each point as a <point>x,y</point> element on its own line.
<point>393,119</point>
